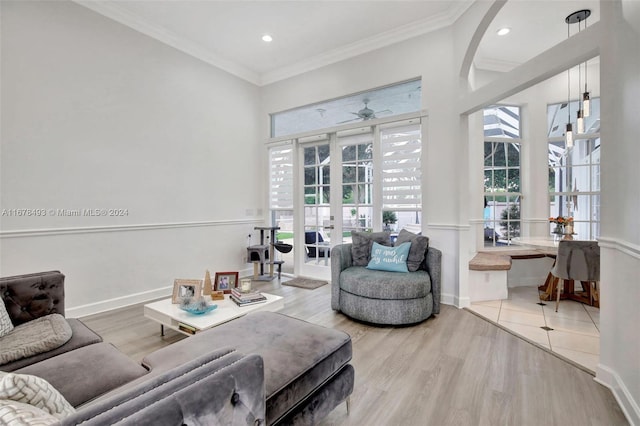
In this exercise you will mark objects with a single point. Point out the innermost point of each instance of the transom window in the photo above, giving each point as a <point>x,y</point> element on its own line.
<point>383,102</point>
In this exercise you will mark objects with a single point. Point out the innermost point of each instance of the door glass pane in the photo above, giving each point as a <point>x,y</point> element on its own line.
<point>310,156</point>
<point>365,152</point>
<point>323,154</point>
<point>365,215</point>
<point>357,196</point>
<point>309,175</point>
<point>316,210</point>
<point>364,194</point>
<point>348,153</point>
<point>310,196</point>
<point>348,173</point>
<point>348,192</point>
<point>325,194</point>
<point>326,177</point>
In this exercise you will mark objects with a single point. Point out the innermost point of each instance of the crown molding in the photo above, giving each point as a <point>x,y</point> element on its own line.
<point>112,10</point>
<point>369,44</point>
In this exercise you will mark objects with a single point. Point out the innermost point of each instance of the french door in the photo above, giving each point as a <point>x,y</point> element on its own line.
<point>322,187</point>
<point>317,232</point>
<point>337,195</point>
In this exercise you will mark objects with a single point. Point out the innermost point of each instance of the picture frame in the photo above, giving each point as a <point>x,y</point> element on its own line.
<point>225,281</point>
<point>186,288</point>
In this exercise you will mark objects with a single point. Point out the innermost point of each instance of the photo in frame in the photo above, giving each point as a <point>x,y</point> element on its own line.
<point>225,281</point>
<point>186,288</point>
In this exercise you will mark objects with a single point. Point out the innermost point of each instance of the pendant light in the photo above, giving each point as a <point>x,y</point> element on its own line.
<point>580,113</point>
<point>586,100</point>
<point>583,106</point>
<point>568,134</point>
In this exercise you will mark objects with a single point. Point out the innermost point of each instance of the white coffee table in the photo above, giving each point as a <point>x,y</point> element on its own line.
<point>170,315</point>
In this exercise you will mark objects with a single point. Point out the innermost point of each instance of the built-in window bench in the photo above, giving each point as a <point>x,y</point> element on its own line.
<point>488,271</point>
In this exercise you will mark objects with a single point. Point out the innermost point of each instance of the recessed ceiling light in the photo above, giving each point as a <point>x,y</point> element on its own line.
<point>503,31</point>
<point>267,38</point>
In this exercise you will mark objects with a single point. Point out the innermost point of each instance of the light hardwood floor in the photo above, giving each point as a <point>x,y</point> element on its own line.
<point>454,369</point>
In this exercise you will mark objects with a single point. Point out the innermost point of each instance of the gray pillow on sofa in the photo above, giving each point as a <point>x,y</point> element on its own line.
<point>34,337</point>
<point>419,245</point>
<point>362,243</point>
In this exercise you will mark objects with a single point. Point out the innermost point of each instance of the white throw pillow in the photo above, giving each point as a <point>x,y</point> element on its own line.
<point>6,326</point>
<point>13,413</point>
<point>34,391</point>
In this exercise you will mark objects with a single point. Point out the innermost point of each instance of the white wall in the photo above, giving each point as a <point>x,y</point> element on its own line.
<point>619,366</point>
<point>96,115</point>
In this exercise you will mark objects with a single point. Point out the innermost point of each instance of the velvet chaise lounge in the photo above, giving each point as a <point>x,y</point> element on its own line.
<point>263,368</point>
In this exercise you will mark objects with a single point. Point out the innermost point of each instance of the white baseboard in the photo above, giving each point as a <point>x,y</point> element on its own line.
<point>609,378</point>
<point>128,300</point>
<point>453,300</point>
<point>118,302</point>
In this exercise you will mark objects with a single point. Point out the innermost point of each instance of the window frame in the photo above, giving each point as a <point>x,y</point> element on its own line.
<point>513,228</point>
<point>586,145</point>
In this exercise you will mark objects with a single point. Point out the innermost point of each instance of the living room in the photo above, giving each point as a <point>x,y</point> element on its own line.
<point>96,115</point>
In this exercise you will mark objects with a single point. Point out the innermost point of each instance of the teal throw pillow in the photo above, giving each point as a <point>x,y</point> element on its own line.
<point>393,259</point>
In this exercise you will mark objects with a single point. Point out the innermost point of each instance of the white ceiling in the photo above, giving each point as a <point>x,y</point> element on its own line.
<point>536,25</point>
<point>309,34</point>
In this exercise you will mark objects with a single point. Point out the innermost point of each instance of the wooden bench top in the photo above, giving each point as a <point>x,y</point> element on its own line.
<point>484,261</point>
<point>500,260</point>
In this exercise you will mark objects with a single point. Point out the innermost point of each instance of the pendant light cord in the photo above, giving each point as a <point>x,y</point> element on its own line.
<point>568,84</point>
<point>579,74</point>
<point>585,62</point>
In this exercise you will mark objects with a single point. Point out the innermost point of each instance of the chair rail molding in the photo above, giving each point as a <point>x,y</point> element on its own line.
<point>627,247</point>
<point>448,227</point>
<point>22,233</point>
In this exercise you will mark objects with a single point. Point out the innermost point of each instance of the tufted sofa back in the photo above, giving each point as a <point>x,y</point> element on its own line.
<point>31,296</point>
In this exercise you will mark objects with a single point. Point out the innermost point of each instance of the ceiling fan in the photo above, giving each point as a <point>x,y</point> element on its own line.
<point>366,113</point>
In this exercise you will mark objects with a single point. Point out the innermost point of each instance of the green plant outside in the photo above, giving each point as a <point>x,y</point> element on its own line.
<point>511,221</point>
<point>389,217</point>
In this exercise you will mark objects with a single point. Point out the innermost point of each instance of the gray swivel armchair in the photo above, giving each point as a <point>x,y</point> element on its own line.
<point>381,297</point>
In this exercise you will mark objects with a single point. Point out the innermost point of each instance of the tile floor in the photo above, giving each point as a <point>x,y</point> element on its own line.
<point>574,333</point>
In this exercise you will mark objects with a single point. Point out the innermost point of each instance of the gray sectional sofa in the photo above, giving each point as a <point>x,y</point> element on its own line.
<point>263,368</point>
<point>383,297</point>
